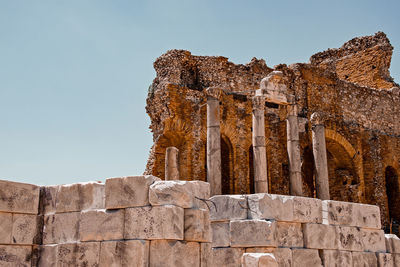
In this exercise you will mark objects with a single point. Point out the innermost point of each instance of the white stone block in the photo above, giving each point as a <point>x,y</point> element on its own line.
<point>220,234</point>
<point>306,258</point>
<point>48,256</point>
<point>25,229</point>
<point>15,256</point>
<point>61,228</point>
<point>373,240</point>
<point>228,207</point>
<point>333,258</point>
<point>320,236</point>
<point>289,235</point>
<point>252,233</point>
<point>19,197</point>
<point>99,225</point>
<point>364,259</point>
<point>48,197</point>
<point>79,254</point>
<point>269,206</point>
<point>174,253</point>
<point>307,210</point>
<point>178,193</point>
<point>227,257</point>
<point>392,243</point>
<point>130,191</point>
<point>5,227</point>
<point>159,222</point>
<point>124,253</point>
<point>385,260</point>
<point>350,238</point>
<point>259,260</point>
<point>197,225</point>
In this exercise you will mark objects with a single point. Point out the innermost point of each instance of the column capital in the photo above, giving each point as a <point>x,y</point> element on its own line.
<point>318,118</point>
<point>214,92</point>
<point>258,102</point>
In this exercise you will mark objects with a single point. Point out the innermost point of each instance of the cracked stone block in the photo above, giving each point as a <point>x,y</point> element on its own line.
<point>197,225</point>
<point>5,228</point>
<point>80,196</point>
<point>306,257</point>
<point>373,240</point>
<point>350,238</point>
<point>307,210</point>
<point>124,253</point>
<point>205,255</point>
<point>174,253</point>
<point>220,234</point>
<point>13,255</point>
<point>259,259</point>
<point>19,197</point>
<point>333,258</point>
<point>289,235</point>
<point>228,207</point>
<point>159,222</point>
<point>319,236</point>
<point>392,243</point>
<point>227,257</point>
<point>48,196</point>
<point>99,225</point>
<point>48,255</point>
<point>201,192</point>
<point>127,192</point>
<point>385,260</point>
<point>61,228</point>
<point>269,206</point>
<point>79,254</point>
<point>252,233</point>
<point>25,229</point>
<point>364,259</point>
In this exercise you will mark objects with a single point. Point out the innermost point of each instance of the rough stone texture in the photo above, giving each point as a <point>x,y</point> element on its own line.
<point>396,260</point>
<point>48,256</point>
<point>220,234</point>
<point>289,235</point>
<point>228,207</point>
<point>160,222</point>
<point>201,192</point>
<point>373,240</point>
<point>61,228</point>
<point>12,256</point>
<point>5,227</point>
<point>197,225</point>
<point>48,196</point>
<point>81,196</point>
<point>392,243</point>
<point>25,229</point>
<point>307,210</point>
<point>99,225</point>
<point>133,253</point>
<point>306,258</point>
<point>128,191</point>
<point>19,197</point>
<point>385,260</point>
<point>259,260</point>
<point>350,238</point>
<point>79,254</point>
<point>174,253</point>
<point>364,259</point>
<point>320,236</point>
<point>282,255</point>
<point>267,206</point>
<point>333,258</point>
<point>252,233</point>
<point>205,255</point>
<point>227,257</point>
<point>178,193</point>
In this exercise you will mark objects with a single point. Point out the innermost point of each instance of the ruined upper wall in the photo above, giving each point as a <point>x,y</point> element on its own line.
<point>362,60</point>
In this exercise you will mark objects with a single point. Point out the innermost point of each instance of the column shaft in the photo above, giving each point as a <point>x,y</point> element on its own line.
<point>320,161</point>
<point>171,163</point>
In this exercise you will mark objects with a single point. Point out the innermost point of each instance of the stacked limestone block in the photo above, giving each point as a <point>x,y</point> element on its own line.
<point>20,224</point>
<point>129,221</point>
<point>297,231</point>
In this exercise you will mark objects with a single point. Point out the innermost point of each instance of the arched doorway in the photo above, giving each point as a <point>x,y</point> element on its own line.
<point>228,184</point>
<point>393,196</point>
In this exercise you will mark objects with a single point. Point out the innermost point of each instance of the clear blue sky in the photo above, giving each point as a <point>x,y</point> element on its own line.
<point>74,74</point>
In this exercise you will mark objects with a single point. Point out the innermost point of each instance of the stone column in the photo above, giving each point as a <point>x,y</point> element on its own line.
<point>320,158</point>
<point>293,148</point>
<point>260,157</point>
<point>171,163</point>
<point>213,140</point>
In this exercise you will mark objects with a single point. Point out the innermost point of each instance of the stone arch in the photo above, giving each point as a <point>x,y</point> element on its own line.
<point>393,194</point>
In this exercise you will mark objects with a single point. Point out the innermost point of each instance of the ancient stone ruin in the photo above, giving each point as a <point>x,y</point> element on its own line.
<point>251,166</point>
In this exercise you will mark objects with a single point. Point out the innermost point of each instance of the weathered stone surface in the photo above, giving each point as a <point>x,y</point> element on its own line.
<point>392,243</point>
<point>364,259</point>
<point>289,235</point>
<point>79,254</point>
<point>61,228</point>
<point>252,233</point>
<point>282,255</point>
<point>197,225</point>
<point>373,240</point>
<point>128,191</point>
<point>385,260</point>
<point>366,216</point>
<point>19,197</point>
<point>333,258</point>
<point>227,257</point>
<point>159,222</point>
<point>12,256</point>
<point>220,234</point>
<point>320,157</point>
<point>268,206</point>
<point>25,229</point>
<point>133,253</point>
<point>205,255</point>
<point>228,207</point>
<point>178,193</point>
<point>5,227</point>
<point>201,192</point>
<point>396,260</point>
<point>307,210</point>
<point>320,236</point>
<point>349,238</point>
<point>99,225</point>
<point>174,253</point>
<point>306,258</point>
<point>48,256</point>
<point>48,196</point>
<point>259,260</point>
<point>339,213</point>
<point>172,163</point>
<point>80,196</point>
